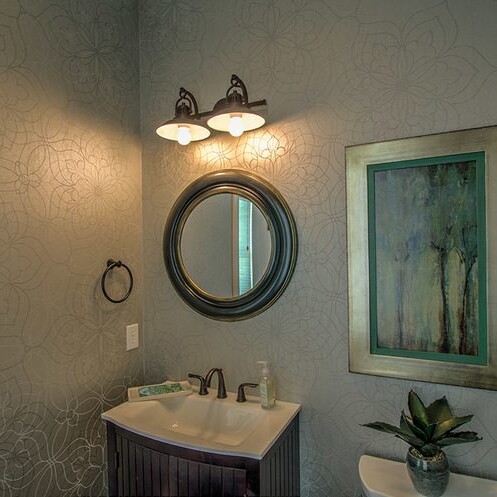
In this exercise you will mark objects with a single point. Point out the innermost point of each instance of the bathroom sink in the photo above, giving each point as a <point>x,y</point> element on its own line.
<point>206,423</point>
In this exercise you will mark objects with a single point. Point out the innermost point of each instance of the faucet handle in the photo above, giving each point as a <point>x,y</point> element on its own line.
<point>203,388</point>
<point>241,392</point>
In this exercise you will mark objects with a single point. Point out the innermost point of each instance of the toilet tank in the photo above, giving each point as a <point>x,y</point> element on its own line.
<point>385,478</point>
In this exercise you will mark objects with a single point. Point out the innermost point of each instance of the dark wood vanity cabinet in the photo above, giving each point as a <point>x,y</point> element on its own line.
<point>139,466</point>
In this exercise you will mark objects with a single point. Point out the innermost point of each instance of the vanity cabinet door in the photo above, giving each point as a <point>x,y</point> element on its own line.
<point>139,470</point>
<point>161,475</point>
<point>140,466</point>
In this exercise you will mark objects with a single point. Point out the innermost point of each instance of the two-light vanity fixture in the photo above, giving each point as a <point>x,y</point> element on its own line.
<point>232,114</point>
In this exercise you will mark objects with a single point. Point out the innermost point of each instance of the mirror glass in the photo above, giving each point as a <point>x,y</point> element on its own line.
<point>226,245</point>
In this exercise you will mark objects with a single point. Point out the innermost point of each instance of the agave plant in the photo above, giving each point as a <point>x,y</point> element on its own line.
<point>428,429</point>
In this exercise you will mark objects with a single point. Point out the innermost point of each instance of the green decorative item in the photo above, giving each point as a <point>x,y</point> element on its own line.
<point>428,430</point>
<point>151,390</point>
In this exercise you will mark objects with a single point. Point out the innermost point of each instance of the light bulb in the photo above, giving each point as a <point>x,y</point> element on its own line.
<point>184,135</point>
<point>236,125</point>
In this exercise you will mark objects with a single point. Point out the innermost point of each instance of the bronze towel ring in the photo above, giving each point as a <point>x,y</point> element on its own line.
<point>111,264</point>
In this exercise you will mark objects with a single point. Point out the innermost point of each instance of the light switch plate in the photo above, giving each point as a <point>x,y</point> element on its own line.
<point>132,340</point>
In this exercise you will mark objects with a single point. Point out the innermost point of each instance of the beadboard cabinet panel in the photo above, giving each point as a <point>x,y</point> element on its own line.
<point>141,467</point>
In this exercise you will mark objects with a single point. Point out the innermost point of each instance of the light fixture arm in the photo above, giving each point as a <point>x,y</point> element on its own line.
<point>186,105</point>
<point>234,97</point>
<point>236,82</point>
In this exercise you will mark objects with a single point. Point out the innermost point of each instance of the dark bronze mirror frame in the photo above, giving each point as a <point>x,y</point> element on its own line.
<point>283,253</point>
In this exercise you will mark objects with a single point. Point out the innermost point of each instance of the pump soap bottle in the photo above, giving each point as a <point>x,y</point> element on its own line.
<point>266,386</point>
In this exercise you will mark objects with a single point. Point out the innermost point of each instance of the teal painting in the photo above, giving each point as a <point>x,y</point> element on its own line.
<point>427,258</point>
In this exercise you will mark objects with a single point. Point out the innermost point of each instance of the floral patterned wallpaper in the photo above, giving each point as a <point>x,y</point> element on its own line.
<point>70,198</point>
<point>335,73</point>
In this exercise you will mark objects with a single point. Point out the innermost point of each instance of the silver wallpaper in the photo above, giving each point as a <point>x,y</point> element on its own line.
<point>70,198</point>
<point>335,73</point>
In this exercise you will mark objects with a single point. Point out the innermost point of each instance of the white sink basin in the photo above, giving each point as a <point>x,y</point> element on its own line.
<point>221,426</point>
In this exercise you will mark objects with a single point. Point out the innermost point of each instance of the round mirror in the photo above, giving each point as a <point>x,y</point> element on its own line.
<point>230,245</point>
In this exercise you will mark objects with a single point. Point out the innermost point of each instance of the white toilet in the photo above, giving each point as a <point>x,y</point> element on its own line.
<point>385,478</point>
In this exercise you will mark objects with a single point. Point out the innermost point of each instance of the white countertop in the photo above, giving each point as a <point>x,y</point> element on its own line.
<point>205,423</point>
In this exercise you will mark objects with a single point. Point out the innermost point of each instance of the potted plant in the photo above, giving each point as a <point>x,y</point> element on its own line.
<point>428,430</point>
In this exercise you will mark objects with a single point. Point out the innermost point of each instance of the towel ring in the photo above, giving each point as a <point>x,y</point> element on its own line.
<point>111,264</point>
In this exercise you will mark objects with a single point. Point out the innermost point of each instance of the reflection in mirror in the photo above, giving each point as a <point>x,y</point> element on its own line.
<point>226,245</point>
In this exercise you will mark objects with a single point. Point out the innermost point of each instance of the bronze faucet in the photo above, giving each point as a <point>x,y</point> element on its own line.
<point>221,387</point>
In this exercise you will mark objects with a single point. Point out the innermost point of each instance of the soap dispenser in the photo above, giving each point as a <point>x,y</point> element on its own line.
<point>266,387</point>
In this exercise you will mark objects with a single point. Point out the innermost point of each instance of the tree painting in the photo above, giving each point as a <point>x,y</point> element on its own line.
<point>426,248</point>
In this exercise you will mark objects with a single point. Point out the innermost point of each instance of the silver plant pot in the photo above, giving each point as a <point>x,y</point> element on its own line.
<point>429,475</point>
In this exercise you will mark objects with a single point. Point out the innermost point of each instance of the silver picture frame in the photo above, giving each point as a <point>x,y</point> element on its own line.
<point>362,355</point>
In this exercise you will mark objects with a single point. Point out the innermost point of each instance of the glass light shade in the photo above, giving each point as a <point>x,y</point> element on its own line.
<point>222,120</point>
<point>172,129</point>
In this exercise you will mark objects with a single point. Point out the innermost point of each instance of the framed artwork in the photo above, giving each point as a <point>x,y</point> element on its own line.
<point>422,231</point>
